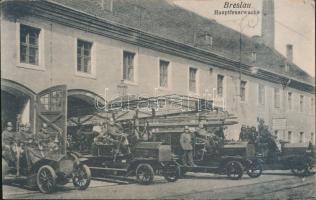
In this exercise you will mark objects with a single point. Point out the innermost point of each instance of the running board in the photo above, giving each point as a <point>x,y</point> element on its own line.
<point>111,180</point>
<point>109,169</point>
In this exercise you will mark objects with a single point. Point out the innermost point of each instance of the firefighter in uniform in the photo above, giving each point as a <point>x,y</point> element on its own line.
<point>114,131</point>
<point>8,137</point>
<point>186,145</point>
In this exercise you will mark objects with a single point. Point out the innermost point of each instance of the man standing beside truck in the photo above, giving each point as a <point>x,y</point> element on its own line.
<point>186,145</point>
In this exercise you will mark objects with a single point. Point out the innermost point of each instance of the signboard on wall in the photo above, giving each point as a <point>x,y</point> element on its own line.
<point>279,124</point>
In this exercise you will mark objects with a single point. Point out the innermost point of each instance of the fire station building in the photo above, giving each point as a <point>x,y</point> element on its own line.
<point>154,48</point>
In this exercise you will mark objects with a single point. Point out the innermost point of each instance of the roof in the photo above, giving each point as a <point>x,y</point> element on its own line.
<point>165,19</point>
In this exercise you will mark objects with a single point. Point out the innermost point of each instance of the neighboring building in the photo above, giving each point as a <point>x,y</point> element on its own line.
<point>91,47</point>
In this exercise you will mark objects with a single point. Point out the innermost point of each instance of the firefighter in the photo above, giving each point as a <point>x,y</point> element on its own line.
<point>120,140</point>
<point>186,145</point>
<point>8,136</point>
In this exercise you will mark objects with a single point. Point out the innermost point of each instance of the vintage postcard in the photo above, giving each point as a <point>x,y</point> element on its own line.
<point>158,99</point>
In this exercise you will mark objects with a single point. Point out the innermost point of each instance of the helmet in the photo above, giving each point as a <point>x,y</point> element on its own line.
<point>44,125</point>
<point>9,124</point>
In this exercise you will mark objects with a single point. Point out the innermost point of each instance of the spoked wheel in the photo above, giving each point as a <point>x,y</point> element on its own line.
<point>255,170</point>
<point>81,177</point>
<point>234,170</point>
<point>171,173</point>
<point>145,174</point>
<point>302,169</point>
<point>46,179</point>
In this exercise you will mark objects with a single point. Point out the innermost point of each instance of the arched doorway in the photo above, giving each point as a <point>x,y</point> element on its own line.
<point>17,104</point>
<point>82,102</point>
<point>82,114</point>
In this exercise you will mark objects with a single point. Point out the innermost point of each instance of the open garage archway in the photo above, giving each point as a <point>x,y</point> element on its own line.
<point>82,102</point>
<point>17,104</point>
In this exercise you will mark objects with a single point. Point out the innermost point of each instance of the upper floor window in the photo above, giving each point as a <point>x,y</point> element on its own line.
<point>29,45</point>
<point>192,79</point>
<point>289,136</point>
<point>84,50</point>
<point>243,90</point>
<point>276,133</point>
<point>301,137</point>
<point>289,100</point>
<point>253,56</point>
<point>220,82</point>
<point>312,105</point>
<point>163,73</point>
<point>261,94</point>
<point>312,137</point>
<point>128,66</point>
<point>276,97</point>
<point>301,103</point>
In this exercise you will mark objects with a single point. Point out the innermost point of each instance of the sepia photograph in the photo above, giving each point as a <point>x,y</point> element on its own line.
<point>158,99</point>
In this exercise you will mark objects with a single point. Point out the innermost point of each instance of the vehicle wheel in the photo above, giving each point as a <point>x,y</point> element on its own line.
<point>46,179</point>
<point>234,170</point>
<point>172,173</point>
<point>182,172</point>
<point>145,174</point>
<point>254,170</point>
<point>82,177</point>
<point>302,169</point>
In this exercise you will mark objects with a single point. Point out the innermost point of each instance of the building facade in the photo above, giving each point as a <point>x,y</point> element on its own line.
<point>44,44</point>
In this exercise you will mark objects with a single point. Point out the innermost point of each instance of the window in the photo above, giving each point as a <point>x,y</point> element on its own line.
<point>286,68</point>
<point>192,79</point>
<point>52,101</point>
<point>253,56</point>
<point>209,39</point>
<point>312,137</point>
<point>261,94</point>
<point>276,97</point>
<point>84,56</point>
<point>301,103</point>
<point>301,137</point>
<point>276,133</point>
<point>29,45</point>
<point>128,66</point>
<point>312,105</point>
<point>289,136</point>
<point>243,90</point>
<point>163,73</point>
<point>220,80</point>
<point>289,100</point>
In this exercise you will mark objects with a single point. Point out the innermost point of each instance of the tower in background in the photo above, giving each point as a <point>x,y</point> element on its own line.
<point>267,29</point>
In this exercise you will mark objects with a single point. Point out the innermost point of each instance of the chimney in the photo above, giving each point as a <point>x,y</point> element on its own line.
<point>289,52</point>
<point>267,29</point>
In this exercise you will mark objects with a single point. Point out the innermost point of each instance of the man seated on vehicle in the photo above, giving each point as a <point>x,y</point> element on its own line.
<point>206,137</point>
<point>8,136</point>
<point>99,139</point>
<point>114,131</point>
<point>48,141</point>
<point>186,145</point>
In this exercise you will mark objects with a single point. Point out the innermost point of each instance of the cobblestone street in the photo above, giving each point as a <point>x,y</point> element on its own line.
<point>271,185</point>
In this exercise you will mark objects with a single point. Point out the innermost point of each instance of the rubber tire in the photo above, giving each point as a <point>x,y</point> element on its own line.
<point>150,171</point>
<point>237,165</point>
<point>255,175</point>
<point>305,171</point>
<point>53,175</point>
<point>88,175</point>
<point>175,177</point>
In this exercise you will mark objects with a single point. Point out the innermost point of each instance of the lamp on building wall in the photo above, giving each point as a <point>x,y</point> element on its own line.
<point>122,88</point>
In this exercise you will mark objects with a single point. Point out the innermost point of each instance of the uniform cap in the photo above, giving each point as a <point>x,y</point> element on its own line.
<point>9,124</point>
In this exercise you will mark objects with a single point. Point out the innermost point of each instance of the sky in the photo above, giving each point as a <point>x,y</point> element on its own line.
<point>294,24</point>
